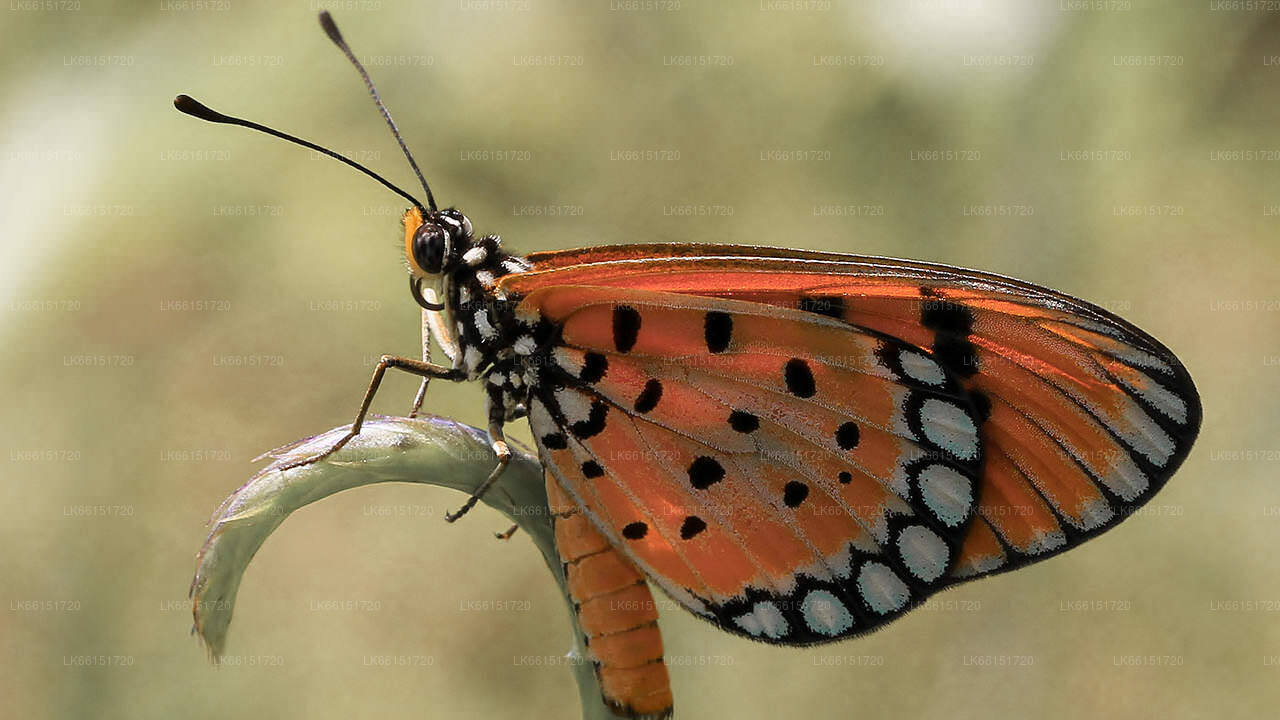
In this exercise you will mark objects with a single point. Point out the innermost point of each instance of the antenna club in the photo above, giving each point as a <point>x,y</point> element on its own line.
<point>190,106</point>
<point>330,28</point>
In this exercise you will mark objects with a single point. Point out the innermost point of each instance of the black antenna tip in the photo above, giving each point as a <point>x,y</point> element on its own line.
<point>193,107</point>
<point>330,27</point>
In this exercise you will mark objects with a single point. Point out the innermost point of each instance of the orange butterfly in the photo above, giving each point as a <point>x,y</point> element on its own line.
<point>796,446</point>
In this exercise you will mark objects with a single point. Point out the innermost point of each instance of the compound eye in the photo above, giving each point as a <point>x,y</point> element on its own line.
<point>458,221</point>
<point>429,247</point>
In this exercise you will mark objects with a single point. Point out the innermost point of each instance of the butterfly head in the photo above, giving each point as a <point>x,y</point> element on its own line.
<point>436,242</point>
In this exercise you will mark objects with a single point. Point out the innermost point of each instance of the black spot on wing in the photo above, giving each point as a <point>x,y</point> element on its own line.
<point>799,378</point>
<point>635,531</point>
<point>743,421</point>
<point>594,423</point>
<point>626,327</point>
<point>847,436</point>
<point>649,396</point>
<point>594,367</point>
<point>691,526</point>
<point>704,472</point>
<point>555,441</point>
<point>718,331</point>
<point>592,469</point>
<point>794,493</point>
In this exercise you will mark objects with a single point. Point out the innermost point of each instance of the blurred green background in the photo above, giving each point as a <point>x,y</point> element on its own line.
<point>179,297</point>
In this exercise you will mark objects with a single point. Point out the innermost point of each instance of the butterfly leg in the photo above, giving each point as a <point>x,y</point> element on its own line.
<point>416,367</point>
<point>426,358</point>
<point>498,442</point>
<point>506,534</point>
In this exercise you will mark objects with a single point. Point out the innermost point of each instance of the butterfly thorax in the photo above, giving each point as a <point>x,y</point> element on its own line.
<point>481,328</point>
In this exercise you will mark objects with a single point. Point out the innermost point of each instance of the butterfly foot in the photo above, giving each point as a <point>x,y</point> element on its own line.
<point>503,452</point>
<point>508,533</point>
<point>317,458</point>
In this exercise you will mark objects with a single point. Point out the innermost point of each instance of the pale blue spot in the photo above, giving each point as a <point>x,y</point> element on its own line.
<point>921,368</point>
<point>923,552</point>
<point>947,493</point>
<point>883,591</point>
<point>825,613</point>
<point>764,619</point>
<point>949,427</point>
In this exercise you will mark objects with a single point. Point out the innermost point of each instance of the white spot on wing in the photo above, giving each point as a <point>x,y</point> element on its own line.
<point>924,553</point>
<point>575,406</point>
<point>1145,435</point>
<point>1160,397</point>
<point>1095,514</point>
<point>948,426</point>
<point>883,591</point>
<point>947,493</point>
<point>922,368</point>
<point>471,357</point>
<point>1044,542</point>
<point>978,565</point>
<point>772,623</point>
<point>825,613</point>
<point>524,345</point>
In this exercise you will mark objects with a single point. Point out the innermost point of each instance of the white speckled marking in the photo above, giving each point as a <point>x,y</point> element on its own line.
<point>1095,514</point>
<point>484,325</point>
<point>474,256</point>
<point>922,368</point>
<point>947,493</point>
<point>978,565</point>
<point>749,623</point>
<point>764,619</point>
<point>948,426</point>
<point>1043,542</point>
<point>464,295</point>
<point>883,591</point>
<point>575,406</point>
<point>824,613</point>
<point>485,277</point>
<point>1160,397</point>
<point>923,552</point>
<point>524,345</point>
<point>1145,435</point>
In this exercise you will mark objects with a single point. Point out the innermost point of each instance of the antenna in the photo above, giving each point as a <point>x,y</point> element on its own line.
<point>331,29</point>
<point>193,107</point>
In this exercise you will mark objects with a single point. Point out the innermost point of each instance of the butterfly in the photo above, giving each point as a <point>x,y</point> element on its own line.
<point>796,446</point>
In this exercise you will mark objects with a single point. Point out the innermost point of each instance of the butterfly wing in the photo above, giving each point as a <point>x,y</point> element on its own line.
<point>789,476</point>
<point>1083,416</point>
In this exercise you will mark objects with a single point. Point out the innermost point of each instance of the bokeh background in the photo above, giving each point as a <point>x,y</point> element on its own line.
<point>178,297</point>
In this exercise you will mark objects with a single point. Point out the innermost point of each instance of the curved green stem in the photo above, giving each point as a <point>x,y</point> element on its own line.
<point>428,450</point>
